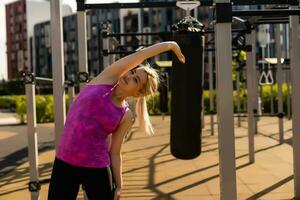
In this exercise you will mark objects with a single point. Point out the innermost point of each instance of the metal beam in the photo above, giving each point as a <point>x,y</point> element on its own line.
<point>250,97</point>
<point>58,69</point>
<point>203,3</point>
<point>278,50</point>
<point>227,166</point>
<point>32,138</point>
<point>49,80</point>
<point>134,34</point>
<point>82,43</point>
<point>283,12</point>
<point>295,71</point>
<point>264,2</point>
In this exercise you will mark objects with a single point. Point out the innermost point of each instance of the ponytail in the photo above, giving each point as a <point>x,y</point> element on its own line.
<point>143,115</point>
<point>149,88</point>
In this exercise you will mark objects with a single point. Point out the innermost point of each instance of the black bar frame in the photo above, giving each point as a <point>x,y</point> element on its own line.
<point>270,12</point>
<point>204,3</point>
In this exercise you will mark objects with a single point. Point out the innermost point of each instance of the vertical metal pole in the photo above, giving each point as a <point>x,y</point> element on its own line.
<point>82,40</point>
<point>288,82</point>
<point>255,74</point>
<point>58,69</point>
<point>32,137</point>
<point>211,90</point>
<point>262,86</point>
<point>250,99</point>
<point>223,42</point>
<point>271,99</point>
<point>279,80</point>
<point>202,102</point>
<point>71,93</point>
<point>82,43</point>
<point>122,27</point>
<point>105,44</point>
<point>271,86</point>
<point>288,72</point>
<point>295,71</point>
<point>140,26</point>
<point>203,109</point>
<point>238,96</point>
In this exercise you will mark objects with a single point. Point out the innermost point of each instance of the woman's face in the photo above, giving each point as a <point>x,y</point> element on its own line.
<point>133,81</point>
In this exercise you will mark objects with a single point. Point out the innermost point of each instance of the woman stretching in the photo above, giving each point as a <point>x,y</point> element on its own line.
<point>84,155</point>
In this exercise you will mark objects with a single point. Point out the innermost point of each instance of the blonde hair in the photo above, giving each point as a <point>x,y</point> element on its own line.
<point>149,88</point>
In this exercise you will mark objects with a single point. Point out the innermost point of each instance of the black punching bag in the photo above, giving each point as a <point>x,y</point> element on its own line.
<point>187,86</point>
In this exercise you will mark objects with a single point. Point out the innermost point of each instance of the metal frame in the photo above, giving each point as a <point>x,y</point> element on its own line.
<point>295,71</point>
<point>279,80</point>
<point>58,69</point>
<point>204,3</point>
<point>250,63</point>
<point>225,108</point>
<point>224,82</point>
<point>269,12</point>
<point>238,90</point>
<point>211,88</point>
<point>32,137</point>
<point>82,42</point>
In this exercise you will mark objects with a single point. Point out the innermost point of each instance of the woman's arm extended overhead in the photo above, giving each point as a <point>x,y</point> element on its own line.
<point>113,72</point>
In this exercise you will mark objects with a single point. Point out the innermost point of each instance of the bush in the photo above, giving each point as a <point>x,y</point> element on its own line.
<point>44,108</point>
<point>21,108</point>
<point>8,102</point>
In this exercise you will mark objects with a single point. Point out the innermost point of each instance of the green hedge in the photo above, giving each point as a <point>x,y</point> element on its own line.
<point>153,102</point>
<point>45,110</point>
<point>44,106</point>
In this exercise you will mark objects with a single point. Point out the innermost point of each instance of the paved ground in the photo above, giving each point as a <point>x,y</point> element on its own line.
<point>150,172</point>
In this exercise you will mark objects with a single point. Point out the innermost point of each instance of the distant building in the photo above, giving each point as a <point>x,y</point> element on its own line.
<point>42,43</point>
<point>20,18</point>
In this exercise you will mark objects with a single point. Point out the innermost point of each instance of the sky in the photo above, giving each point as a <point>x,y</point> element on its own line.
<point>3,59</point>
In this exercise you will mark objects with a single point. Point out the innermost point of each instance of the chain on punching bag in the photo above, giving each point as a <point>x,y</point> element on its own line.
<point>187,86</point>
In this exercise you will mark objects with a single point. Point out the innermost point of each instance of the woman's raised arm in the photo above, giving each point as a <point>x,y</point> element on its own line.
<point>112,73</point>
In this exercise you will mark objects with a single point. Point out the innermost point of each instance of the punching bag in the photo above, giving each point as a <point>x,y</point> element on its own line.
<point>187,86</point>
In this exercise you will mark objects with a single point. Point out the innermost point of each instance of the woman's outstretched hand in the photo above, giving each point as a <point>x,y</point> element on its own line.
<point>176,49</point>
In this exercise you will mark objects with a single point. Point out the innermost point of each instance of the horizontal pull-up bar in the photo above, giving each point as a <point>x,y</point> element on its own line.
<point>106,52</point>
<point>209,31</point>
<point>29,77</point>
<point>50,80</point>
<point>81,5</point>
<point>105,34</point>
<point>283,12</point>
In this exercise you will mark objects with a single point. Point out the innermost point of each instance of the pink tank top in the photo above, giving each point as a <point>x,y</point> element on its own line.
<point>90,119</point>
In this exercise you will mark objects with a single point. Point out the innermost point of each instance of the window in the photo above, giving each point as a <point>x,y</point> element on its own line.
<point>94,30</point>
<point>20,8</point>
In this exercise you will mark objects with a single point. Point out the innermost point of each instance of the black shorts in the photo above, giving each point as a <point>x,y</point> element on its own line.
<point>66,180</point>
